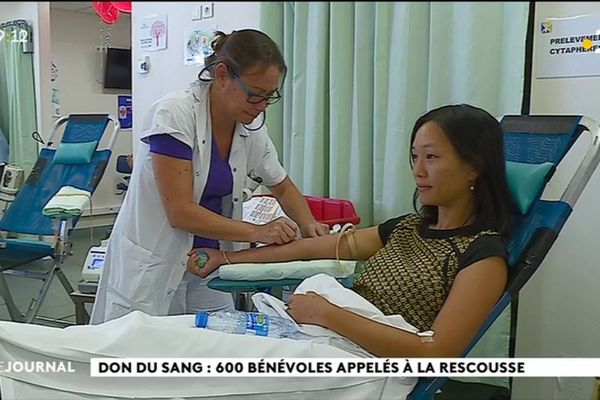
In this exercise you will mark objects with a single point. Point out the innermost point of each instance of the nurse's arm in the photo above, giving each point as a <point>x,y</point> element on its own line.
<point>295,206</point>
<point>174,179</point>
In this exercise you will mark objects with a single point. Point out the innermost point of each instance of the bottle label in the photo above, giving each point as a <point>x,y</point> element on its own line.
<point>257,324</point>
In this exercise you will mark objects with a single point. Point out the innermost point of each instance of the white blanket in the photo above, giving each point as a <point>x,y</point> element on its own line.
<point>140,335</point>
<point>68,202</point>
<point>333,291</point>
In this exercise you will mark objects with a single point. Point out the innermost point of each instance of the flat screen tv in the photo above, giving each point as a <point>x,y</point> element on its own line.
<point>117,74</point>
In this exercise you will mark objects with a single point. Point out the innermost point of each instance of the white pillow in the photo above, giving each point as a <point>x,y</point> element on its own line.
<point>286,270</point>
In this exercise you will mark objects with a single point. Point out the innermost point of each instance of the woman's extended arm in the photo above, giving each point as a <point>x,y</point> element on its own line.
<point>366,243</point>
<point>174,178</point>
<point>473,295</point>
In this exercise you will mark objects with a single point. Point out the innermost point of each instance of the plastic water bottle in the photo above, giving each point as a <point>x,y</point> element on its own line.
<point>286,292</point>
<point>246,323</point>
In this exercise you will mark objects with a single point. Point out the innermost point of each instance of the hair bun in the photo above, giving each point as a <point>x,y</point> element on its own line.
<point>219,40</point>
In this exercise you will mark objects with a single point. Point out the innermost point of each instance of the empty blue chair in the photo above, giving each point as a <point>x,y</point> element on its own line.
<point>534,147</point>
<point>76,162</point>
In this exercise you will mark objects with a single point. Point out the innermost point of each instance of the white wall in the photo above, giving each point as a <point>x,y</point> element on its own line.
<point>558,314</point>
<point>167,70</point>
<point>74,36</point>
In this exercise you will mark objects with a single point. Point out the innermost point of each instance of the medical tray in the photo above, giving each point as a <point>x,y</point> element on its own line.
<point>332,211</point>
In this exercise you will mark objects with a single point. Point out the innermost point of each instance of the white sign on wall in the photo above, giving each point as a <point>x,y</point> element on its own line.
<point>196,45</point>
<point>152,33</point>
<point>568,47</point>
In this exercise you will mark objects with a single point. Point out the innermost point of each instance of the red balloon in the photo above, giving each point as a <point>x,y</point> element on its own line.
<point>106,11</point>
<point>123,6</point>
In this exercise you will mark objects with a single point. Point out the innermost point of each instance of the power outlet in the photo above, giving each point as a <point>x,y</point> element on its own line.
<point>197,13</point>
<point>208,10</point>
<point>100,49</point>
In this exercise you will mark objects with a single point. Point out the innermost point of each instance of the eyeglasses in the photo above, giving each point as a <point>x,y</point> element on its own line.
<point>254,98</point>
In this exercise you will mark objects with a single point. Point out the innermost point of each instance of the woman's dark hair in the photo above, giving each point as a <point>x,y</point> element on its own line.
<point>242,50</point>
<point>478,140</point>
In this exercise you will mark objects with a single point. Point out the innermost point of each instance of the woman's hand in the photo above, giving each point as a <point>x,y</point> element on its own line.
<point>314,229</point>
<point>309,308</point>
<point>215,260</point>
<point>279,231</point>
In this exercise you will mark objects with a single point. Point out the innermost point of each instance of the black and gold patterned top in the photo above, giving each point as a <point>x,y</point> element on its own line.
<point>413,272</point>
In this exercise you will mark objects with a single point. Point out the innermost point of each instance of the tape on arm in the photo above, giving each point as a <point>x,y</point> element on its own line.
<point>348,231</point>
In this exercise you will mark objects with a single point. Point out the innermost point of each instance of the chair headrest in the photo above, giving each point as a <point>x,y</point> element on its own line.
<point>526,182</point>
<point>533,146</point>
<point>75,153</point>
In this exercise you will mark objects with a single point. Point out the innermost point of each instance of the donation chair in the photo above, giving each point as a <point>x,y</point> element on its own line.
<point>75,163</point>
<point>534,147</point>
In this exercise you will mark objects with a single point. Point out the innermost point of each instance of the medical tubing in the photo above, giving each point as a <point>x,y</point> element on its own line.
<point>225,257</point>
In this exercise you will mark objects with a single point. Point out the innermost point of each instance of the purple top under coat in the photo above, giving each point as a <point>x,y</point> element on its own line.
<point>218,184</point>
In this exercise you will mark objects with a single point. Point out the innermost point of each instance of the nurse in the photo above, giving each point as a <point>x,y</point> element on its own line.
<point>201,148</point>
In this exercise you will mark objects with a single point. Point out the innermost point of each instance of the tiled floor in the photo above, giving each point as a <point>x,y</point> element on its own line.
<point>57,304</point>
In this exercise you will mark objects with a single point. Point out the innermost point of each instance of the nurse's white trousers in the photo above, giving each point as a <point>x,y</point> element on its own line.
<point>193,295</point>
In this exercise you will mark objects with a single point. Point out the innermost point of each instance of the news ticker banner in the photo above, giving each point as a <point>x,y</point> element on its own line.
<point>349,367</point>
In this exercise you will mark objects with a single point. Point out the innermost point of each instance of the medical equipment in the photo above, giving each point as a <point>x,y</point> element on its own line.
<point>123,168</point>
<point>75,162</point>
<point>12,178</point>
<point>10,183</point>
<point>92,269</point>
<point>333,211</point>
<point>251,183</point>
<point>535,140</point>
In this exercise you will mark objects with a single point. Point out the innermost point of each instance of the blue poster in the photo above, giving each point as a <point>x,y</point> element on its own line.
<point>125,112</point>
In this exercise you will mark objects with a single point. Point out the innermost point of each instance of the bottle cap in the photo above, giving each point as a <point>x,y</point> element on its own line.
<point>201,319</point>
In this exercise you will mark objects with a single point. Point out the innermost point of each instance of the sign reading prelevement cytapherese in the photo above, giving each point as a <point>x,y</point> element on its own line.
<point>568,47</point>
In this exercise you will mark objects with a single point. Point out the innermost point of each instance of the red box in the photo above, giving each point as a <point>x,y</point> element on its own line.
<point>332,211</point>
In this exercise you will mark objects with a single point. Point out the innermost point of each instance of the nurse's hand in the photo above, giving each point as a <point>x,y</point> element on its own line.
<point>207,266</point>
<point>279,231</point>
<point>314,229</point>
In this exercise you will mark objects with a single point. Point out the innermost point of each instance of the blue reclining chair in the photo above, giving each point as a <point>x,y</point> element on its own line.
<point>534,147</point>
<point>76,162</point>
